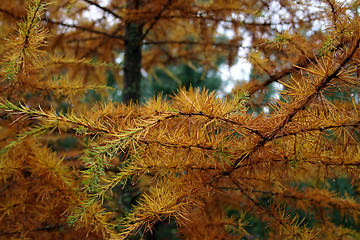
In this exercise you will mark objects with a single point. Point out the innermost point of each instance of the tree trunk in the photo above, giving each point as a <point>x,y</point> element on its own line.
<point>132,70</point>
<point>132,61</point>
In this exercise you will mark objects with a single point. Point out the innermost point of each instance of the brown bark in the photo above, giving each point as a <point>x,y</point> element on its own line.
<point>132,61</point>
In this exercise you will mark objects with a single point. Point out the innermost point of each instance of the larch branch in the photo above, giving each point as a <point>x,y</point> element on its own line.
<point>82,28</point>
<point>104,9</point>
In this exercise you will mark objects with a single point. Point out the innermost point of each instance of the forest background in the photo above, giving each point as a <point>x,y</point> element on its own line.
<point>91,149</point>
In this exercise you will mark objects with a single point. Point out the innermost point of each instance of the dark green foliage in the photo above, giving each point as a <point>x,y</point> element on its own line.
<point>182,75</point>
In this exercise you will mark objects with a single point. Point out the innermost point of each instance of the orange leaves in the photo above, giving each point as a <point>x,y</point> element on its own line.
<point>37,191</point>
<point>166,202</point>
<point>192,101</point>
<point>192,157</point>
<point>321,199</point>
<point>197,145</point>
<point>27,65</point>
<point>24,55</point>
<point>90,215</point>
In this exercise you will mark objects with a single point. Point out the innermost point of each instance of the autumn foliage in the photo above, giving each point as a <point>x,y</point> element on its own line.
<point>211,165</point>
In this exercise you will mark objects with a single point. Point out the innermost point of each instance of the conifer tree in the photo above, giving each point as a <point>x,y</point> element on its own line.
<point>206,163</point>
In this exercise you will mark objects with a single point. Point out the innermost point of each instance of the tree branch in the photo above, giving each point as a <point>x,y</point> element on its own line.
<point>157,17</point>
<point>44,228</point>
<point>85,29</point>
<point>289,117</point>
<point>104,9</point>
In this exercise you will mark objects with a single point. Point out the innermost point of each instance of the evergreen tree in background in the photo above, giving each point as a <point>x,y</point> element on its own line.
<point>167,81</point>
<point>192,165</point>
